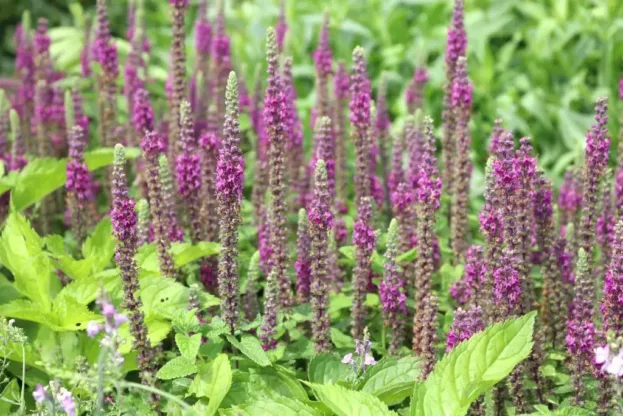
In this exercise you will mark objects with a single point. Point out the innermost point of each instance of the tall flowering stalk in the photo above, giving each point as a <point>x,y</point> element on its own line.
<point>176,232</point>
<point>580,337</point>
<point>18,161</point>
<point>25,68</point>
<point>396,173</point>
<point>428,334</point>
<point>143,226</point>
<point>553,306</point>
<point>570,198</point>
<point>188,171</point>
<point>456,47</point>
<point>364,241</point>
<point>381,127</point>
<point>268,328</point>
<point>274,112</point>
<point>105,53</point>
<point>360,119</point>
<point>320,222</point>
<point>124,220</point>
<point>178,64</point>
<point>203,46</point>
<point>209,145</point>
<point>323,59</point>
<point>428,193</point>
<point>249,302</point>
<point>281,28</point>
<point>294,147</point>
<point>415,90</point>
<point>229,185</point>
<point>341,86</point>
<point>596,157</point>
<point>153,146</point>
<point>612,302</point>
<point>221,63</point>
<point>469,289</point>
<point>393,291</point>
<point>302,265</point>
<point>403,206</point>
<point>462,104</point>
<point>79,185</point>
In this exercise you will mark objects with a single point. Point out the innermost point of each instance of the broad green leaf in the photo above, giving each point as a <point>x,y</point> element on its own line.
<point>157,330</point>
<point>281,406</point>
<point>85,291</point>
<point>278,381</point>
<point>341,340</point>
<point>70,314</point>
<point>184,253</point>
<point>327,369</point>
<point>25,309</point>
<point>103,156</point>
<point>39,178</point>
<point>473,367</point>
<point>251,348</point>
<point>392,379</point>
<point>348,252</point>
<point>188,345</point>
<point>561,411</point>
<point>176,368</point>
<point>163,296</point>
<point>213,381</point>
<point>21,252</point>
<point>7,291</point>
<point>99,247</point>
<point>75,269</point>
<point>345,402</point>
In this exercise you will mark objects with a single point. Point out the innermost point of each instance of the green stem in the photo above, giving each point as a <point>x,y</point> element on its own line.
<point>22,403</point>
<point>174,399</point>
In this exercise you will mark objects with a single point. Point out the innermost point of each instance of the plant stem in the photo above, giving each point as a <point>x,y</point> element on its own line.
<point>174,399</point>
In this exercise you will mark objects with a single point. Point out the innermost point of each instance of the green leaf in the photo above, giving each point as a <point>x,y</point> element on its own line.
<point>163,296</point>
<point>473,367</point>
<point>344,402</point>
<point>327,369</point>
<point>251,348</point>
<point>341,340</point>
<point>348,252</point>
<point>282,406</point>
<point>278,381</point>
<point>213,381</point>
<point>391,379</point>
<point>39,178</point>
<point>407,257</point>
<point>157,330</point>
<point>184,253</point>
<point>176,368</point>
<point>21,252</point>
<point>103,156</point>
<point>99,247</point>
<point>188,345</point>
<point>70,314</point>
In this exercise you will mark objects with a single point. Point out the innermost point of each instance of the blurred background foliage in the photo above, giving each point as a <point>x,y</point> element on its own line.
<point>538,64</point>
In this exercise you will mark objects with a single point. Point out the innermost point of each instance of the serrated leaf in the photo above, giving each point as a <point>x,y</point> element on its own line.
<point>99,247</point>
<point>282,406</point>
<point>184,253</point>
<point>345,402</point>
<point>341,340</point>
<point>391,379</point>
<point>251,348</point>
<point>327,369</point>
<point>39,178</point>
<point>408,256</point>
<point>473,367</point>
<point>213,381</point>
<point>157,330</point>
<point>163,296</point>
<point>188,345</point>
<point>177,367</point>
<point>21,252</point>
<point>278,381</point>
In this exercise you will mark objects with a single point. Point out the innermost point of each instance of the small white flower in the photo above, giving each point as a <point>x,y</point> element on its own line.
<point>602,354</point>
<point>369,360</point>
<point>615,367</point>
<point>348,359</point>
<point>93,328</point>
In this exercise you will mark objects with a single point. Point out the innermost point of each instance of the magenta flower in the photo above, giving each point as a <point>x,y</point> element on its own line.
<point>466,323</point>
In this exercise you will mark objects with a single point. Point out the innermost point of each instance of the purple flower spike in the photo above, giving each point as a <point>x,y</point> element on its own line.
<point>415,89</point>
<point>364,241</point>
<point>302,265</point>
<point>229,184</point>
<point>178,64</point>
<point>275,110</point>
<point>360,120</point>
<point>612,303</point>
<point>341,86</point>
<point>124,221</point>
<point>320,222</point>
<point>393,290</point>
<point>281,28</point>
<point>466,323</point>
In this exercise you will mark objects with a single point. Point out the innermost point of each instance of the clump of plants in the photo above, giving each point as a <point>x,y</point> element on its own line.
<point>207,252</point>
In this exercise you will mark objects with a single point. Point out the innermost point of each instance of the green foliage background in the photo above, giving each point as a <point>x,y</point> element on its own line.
<point>538,64</point>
